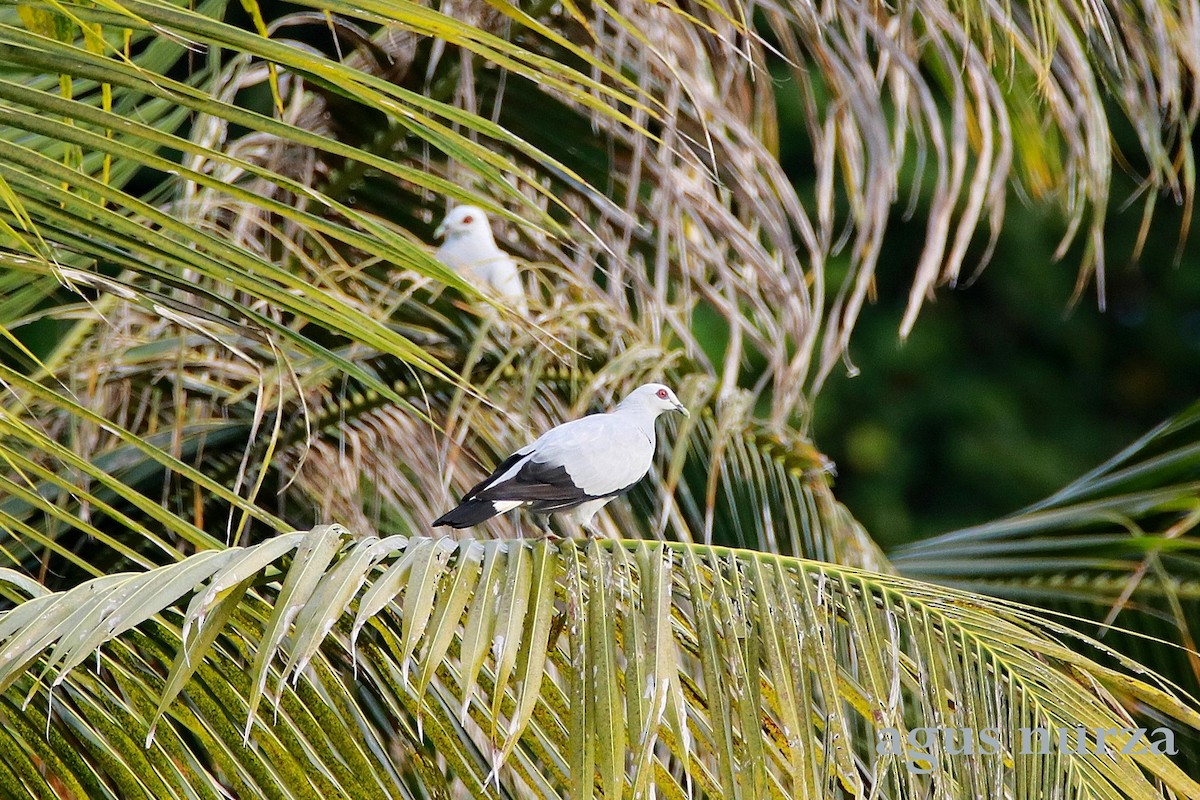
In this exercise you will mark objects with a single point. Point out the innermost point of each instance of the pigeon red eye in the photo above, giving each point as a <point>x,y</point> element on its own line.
<point>662,394</point>
<point>468,219</point>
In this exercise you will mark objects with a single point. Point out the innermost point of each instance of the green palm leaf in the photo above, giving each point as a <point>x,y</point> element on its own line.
<point>798,668</point>
<point>1116,545</point>
<point>1131,516</point>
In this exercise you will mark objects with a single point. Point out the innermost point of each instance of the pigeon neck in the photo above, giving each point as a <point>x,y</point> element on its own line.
<point>640,414</point>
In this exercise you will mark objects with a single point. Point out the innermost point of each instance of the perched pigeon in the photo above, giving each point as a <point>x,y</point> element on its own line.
<point>471,251</point>
<point>578,466</point>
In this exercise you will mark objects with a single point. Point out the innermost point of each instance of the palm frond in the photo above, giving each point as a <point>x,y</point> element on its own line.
<point>1117,545</point>
<point>871,90</point>
<point>552,670</point>
<point>1137,507</point>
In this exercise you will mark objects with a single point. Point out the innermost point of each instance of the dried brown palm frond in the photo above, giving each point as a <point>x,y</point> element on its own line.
<point>703,206</point>
<point>680,182</point>
<point>708,223</point>
<point>1030,88</point>
<point>679,210</point>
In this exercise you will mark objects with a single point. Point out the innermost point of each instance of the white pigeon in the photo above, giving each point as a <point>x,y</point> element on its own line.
<point>471,251</point>
<point>578,466</point>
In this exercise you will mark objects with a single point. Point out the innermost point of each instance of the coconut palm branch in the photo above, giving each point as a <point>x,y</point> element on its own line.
<point>314,662</point>
<point>1117,545</point>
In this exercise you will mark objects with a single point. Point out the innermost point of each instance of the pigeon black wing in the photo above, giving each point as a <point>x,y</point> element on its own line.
<point>536,482</point>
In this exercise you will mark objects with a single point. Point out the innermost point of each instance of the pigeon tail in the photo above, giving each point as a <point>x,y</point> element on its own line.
<point>472,512</point>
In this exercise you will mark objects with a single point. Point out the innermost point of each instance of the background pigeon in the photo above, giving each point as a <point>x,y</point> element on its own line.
<point>578,466</point>
<point>471,251</point>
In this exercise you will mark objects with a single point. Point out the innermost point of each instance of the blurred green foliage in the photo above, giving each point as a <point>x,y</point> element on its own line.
<point>1005,391</point>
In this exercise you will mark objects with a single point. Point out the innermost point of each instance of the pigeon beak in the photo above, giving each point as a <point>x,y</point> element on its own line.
<point>440,232</point>
<point>682,408</point>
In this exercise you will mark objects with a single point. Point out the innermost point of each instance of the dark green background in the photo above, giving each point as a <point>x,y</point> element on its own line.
<point>1004,391</point>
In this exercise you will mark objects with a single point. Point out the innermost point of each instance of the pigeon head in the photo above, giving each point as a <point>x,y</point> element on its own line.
<point>464,221</point>
<point>653,397</point>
